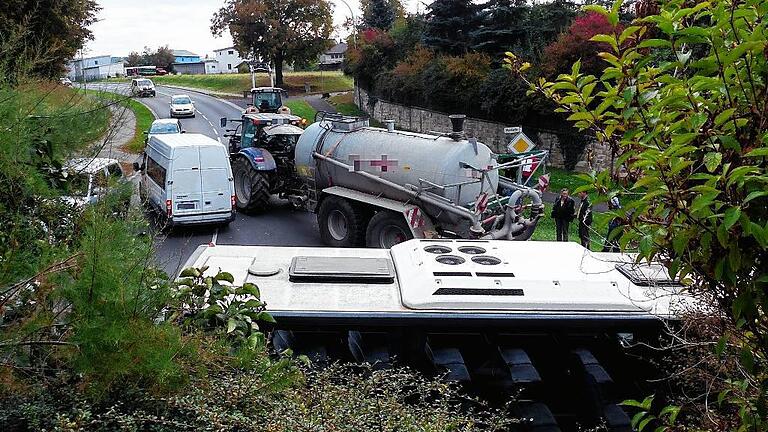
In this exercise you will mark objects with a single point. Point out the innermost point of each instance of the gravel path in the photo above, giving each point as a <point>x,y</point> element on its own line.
<point>122,127</point>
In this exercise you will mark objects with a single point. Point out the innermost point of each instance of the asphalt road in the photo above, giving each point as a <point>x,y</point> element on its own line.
<point>281,226</point>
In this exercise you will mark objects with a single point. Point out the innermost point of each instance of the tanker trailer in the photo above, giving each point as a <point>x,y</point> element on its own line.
<point>379,187</point>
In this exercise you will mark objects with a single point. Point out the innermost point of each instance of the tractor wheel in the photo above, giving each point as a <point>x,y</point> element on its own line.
<point>341,223</point>
<point>251,187</point>
<point>387,229</point>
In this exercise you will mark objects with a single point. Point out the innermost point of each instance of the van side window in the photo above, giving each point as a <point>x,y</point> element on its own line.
<point>156,172</point>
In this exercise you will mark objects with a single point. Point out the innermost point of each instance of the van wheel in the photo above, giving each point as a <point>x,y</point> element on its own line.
<point>341,223</point>
<point>387,229</point>
<point>251,187</point>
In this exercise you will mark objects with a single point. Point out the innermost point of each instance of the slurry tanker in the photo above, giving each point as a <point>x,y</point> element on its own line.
<point>377,187</point>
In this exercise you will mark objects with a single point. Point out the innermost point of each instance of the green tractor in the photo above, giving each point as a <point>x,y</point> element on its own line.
<point>261,152</point>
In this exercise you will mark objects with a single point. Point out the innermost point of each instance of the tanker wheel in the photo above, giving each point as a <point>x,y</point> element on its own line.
<point>341,223</point>
<point>387,229</point>
<point>251,187</point>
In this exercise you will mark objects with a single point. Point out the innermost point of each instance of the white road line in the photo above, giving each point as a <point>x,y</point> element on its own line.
<point>238,108</point>
<point>215,236</point>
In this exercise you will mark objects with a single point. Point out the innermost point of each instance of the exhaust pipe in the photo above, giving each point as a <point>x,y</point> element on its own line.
<point>457,126</point>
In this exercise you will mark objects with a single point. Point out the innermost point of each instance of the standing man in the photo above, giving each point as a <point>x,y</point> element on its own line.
<point>562,213</point>
<point>584,217</point>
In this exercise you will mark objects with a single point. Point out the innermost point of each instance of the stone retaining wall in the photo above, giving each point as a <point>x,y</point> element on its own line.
<point>491,133</point>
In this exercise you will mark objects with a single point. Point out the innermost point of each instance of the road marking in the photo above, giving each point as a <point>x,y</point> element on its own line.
<point>215,236</point>
<point>238,108</point>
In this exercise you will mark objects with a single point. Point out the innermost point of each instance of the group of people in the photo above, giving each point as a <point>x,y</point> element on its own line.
<point>565,211</point>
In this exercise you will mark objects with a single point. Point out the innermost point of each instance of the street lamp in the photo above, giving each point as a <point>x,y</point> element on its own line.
<point>351,12</point>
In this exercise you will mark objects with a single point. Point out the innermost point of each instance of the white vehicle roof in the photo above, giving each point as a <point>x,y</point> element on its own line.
<point>166,121</point>
<point>89,165</point>
<point>166,143</point>
<point>283,130</point>
<point>180,96</point>
<point>530,280</point>
<point>266,89</point>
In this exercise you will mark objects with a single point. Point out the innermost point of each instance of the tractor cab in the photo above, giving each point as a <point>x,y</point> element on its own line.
<point>263,130</point>
<point>268,100</point>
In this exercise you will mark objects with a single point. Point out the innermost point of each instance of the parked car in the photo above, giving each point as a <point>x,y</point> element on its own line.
<point>65,81</point>
<point>187,179</point>
<point>142,87</point>
<point>161,71</point>
<point>91,179</point>
<point>164,127</point>
<point>182,106</point>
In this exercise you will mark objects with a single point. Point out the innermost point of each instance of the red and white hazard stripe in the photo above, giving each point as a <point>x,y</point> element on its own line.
<point>481,203</point>
<point>415,218</point>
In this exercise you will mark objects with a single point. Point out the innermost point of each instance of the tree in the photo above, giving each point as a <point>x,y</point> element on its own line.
<point>381,14</point>
<point>163,58</point>
<point>574,45</point>
<point>545,23</point>
<point>283,31</point>
<point>502,27</point>
<point>449,24</point>
<point>683,99</point>
<point>133,59</point>
<point>47,33</point>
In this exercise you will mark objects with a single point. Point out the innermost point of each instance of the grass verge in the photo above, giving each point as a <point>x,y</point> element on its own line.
<point>302,109</point>
<point>236,83</point>
<point>546,231</point>
<point>144,119</point>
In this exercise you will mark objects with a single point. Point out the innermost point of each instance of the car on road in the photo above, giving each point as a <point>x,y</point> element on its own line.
<point>91,179</point>
<point>164,127</point>
<point>182,106</point>
<point>142,87</point>
<point>187,180</point>
<point>65,81</point>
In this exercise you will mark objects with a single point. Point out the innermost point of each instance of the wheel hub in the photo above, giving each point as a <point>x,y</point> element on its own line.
<point>391,235</point>
<point>337,225</point>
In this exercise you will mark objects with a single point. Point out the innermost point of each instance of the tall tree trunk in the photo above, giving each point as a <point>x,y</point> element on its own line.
<point>279,69</point>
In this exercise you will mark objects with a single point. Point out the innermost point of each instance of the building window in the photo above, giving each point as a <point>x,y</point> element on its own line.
<point>229,66</point>
<point>95,62</point>
<point>231,52</point>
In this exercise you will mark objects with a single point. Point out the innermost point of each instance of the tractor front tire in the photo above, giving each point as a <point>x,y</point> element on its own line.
<point>251,187</point>
<point>341,223</point>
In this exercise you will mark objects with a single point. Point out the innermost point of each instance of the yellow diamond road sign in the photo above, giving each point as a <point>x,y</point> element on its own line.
<point>520,143</point>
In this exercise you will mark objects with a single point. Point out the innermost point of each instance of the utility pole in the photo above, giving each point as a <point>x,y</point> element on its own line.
<point>253,73</point>
<point>82,71</point>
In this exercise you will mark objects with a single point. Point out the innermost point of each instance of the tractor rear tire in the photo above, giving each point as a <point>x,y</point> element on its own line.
<point>387,229</point>
<point>251,187</point>
<point>341,223</point>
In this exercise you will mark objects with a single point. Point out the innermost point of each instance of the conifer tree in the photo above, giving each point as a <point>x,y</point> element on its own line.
<point>449,25</point>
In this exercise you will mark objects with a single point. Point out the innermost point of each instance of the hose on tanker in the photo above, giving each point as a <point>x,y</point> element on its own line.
<point>516,227</point>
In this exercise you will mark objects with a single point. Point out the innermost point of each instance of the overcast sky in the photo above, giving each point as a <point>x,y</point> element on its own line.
<point>130,25</point>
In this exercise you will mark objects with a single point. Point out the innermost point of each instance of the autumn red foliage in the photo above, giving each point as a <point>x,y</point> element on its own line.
<point>574,44</point>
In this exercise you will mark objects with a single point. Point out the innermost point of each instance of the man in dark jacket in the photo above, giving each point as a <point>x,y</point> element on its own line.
<point>562,213</point>
<point>584,218</point>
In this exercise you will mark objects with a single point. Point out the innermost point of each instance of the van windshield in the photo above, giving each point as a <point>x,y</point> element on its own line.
<point>164,128</point>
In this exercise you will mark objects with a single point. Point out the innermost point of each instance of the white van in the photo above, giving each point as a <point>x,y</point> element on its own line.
<point>187,178</point>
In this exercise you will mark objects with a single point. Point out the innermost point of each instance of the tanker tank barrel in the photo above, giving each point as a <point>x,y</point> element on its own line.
<point>447,206</point>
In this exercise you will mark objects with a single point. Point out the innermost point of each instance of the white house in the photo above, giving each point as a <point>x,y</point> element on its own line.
<point>95,68</point>
<point>228,59</point>
<point>211,66</point>
<point>334,57</point>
